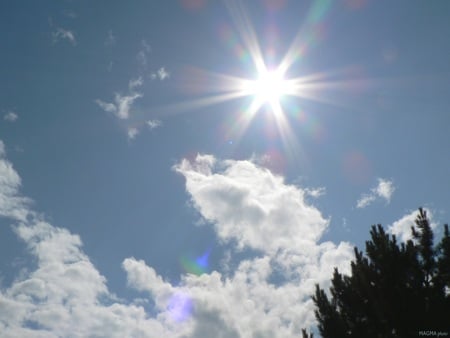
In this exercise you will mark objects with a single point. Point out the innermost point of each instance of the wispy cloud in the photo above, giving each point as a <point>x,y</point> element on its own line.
<point>160,74</point>
<point>142,58</point>
<point>11,116</point>
<point>365,200</point>
<point>152,124</point>
<point>64,34</point>
<point>142,55</point>
<point>121,106</point>
<point>106,106</point>
<point>384,190</point>
<point>315,192</point>
<point>132,133</point>
<point>110,39</point>
<point>135,83</point>
<point>122,103</point>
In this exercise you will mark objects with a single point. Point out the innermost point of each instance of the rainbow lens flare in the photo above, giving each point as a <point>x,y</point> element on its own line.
<point>196,266</point>
<point>180,307</point>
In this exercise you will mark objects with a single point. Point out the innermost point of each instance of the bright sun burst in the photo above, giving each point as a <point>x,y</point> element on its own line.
<point>269,88</point>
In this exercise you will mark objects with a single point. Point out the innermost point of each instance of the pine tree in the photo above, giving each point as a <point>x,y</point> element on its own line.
<point>394,290</point>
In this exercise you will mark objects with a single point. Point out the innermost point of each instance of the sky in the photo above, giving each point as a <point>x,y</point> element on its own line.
<point>193,168</point>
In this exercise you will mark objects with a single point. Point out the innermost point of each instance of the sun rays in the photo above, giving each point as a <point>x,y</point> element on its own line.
<point>265,87</point>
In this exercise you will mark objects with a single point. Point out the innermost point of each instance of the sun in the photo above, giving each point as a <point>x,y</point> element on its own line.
<point>269,88</point>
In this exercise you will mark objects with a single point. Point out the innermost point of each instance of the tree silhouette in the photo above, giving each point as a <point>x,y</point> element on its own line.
<point>394,290</point>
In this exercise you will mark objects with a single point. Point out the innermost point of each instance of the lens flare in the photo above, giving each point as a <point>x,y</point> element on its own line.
<point>180,307</point>
<point>196,266</point>
<point>356,167</point>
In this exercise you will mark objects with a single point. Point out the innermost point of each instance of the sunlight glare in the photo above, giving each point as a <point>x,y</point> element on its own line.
<point>269,87</point>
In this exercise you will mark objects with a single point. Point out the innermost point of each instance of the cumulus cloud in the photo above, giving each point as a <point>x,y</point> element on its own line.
<point>251,205</point>
<point>160,74</point>
<point>11,116</point>
<point>402,227</point>
<point>65,295</point>
<point>64,34</point>
<point>384,190</point>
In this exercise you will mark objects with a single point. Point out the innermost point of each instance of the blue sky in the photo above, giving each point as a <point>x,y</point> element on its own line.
<point>148,189</point>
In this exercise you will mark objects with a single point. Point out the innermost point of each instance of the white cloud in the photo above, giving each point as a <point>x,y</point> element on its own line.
<point>121,106</point>
<point>160,74</point>
<point>132,133</point>
<point>144,278</point>
<point>402,228</point>
<point>134,83</point>
<point>383,190</point>
<point>11,116</point>
<point>251,205</point>
<point>316,192</point>
<point>106,106</point>
<point>12,205</point>
<point>253,208</point>
<point>152,124</point>
<point>66,296</point>
<point>365,200</point>
<point>64,34</point>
